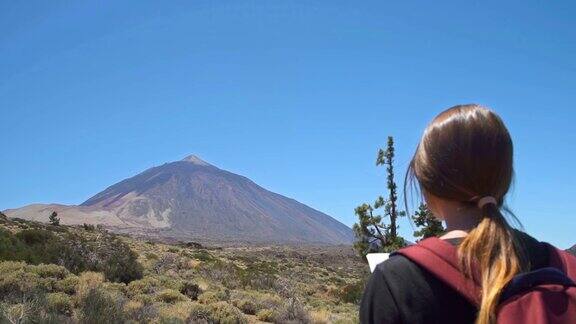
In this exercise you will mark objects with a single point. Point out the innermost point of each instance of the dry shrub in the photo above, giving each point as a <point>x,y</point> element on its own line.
<point>199,314</point>
<point>194,264</point>
<point>267,315</point>
<point>170,296</point>
<point>190,289</point>
<point>178,312</point>
<point>88,281</point>
<point>167,261</point>
<point>141,312</point>
<point>247,306</point>
<point>115,287</point>
<point>210,297</point>
<point>17,313</point>
<point>59,303</point>
<point>98,306</point>
<point>321,316</point>
<point>351,319</point>
<point>147,285</point>
<point>351,293</point>
<point>11,266</point>
<point>103,253</point>
<point>226,273</point>
<point>293,312</point>
<point>49,271</point>
<point>222,312</point>
<point>144,298</point>
<point>250,302</point>
<point>18,284</point>
<point>67,285</point>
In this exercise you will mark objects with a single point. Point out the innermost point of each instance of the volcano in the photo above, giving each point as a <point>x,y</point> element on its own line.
<point>192,198</point>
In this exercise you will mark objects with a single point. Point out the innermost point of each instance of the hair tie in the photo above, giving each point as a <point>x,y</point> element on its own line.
<point>487,200</point>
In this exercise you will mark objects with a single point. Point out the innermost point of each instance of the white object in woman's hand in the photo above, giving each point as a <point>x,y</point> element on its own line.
<point>376,258</point>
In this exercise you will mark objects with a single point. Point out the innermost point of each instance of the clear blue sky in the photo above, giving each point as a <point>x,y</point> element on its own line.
<point>296,95</point>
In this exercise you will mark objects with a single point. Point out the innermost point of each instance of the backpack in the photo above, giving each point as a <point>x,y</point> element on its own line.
<point>543,296</point>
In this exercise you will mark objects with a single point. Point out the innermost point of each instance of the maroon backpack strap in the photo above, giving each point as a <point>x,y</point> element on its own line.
<point>440,258</point>
<point>563,260</point>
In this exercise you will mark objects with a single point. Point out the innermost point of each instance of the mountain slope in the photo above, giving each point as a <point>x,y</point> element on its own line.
<point>195,199</point>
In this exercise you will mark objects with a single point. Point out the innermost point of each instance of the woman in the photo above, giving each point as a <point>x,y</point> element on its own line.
<point>463,167</point>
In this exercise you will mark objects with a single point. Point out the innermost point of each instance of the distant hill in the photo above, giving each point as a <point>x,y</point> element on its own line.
<point>572,249</point>
<point>194,199</point>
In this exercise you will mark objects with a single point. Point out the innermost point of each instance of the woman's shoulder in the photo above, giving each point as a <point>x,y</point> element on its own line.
<point>537,252</point>
<point>396,263</point>
<point>404,290</point>
<point>401,273</point>
<point>406,279</point>
<point>389,286</point>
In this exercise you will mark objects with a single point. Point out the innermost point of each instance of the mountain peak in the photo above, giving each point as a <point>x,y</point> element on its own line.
<point>196,160</point>
<point>191,200</point>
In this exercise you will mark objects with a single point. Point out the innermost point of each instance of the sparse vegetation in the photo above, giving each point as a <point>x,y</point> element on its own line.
<point>372,234</point>
<point>53,219</point>
<point>428,225</point>
<point>102,252</point>
<point>63,274</point>
<point>191,290</point>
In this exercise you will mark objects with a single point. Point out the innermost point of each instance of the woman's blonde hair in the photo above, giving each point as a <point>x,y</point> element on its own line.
<point>466,154</point>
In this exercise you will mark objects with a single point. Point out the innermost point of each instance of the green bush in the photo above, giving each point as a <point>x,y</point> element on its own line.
<point>18,280</point>
<point>151,256</point>
<point>50,271</point>
<point>99,307</point>
<point>191,245</point>
<point>107,254</point>
<point>199,313</point>
<point>226,273</point>
<point>169,282</point>
<point>352,293</point>
<point>88,281</point>
<point>140,312</point>
<point>67,285</point>
<point>148,285</point>
<point>222,312</point>
<point>115,287</point>
<point>11,266</point>
<point>251,302</point>
<point>144,298</point>
<point>35,236</point>
<point>59,303</point>
<point>191,290</point>
<point>293,312</point>
<point>29,310</point>
<point>122,264</point>
<point>267,315</point>
<point>176,313</point>
<point>12,248</point>
<point>210,297</point>
<point>260,276</point>
<point>167,261</point>
<point>17,284</point>
<point>203,255</point>
<point>247,306</point>
<point>170,296</point>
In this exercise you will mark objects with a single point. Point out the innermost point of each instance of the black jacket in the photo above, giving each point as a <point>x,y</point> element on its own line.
<point>399,291</point>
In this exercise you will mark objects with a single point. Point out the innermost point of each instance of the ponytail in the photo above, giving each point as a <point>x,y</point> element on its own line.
<point>492,251</point>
